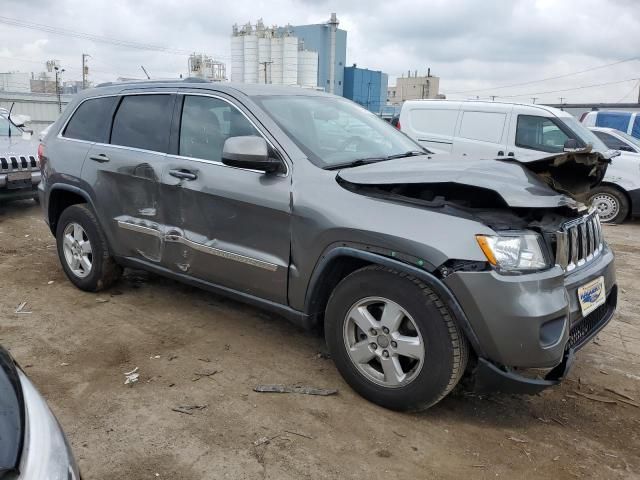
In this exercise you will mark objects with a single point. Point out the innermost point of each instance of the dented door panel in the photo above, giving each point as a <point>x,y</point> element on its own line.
<point>127,187</point>
<point>228,226</point>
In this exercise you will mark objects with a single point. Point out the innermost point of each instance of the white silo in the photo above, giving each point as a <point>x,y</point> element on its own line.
<point>276,58</point>
<point>307,68</point>
<point>250,58</point>
<point>264,59</point>
<point>237,58</point>
<point>289,60</point>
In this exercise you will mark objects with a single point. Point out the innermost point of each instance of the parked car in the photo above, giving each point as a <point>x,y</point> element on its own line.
<point>626,122</point>
<point>618,197</point>
<point>417,268</point>
<point>19,164</point>
<point>495,129</point>
<point>32,444</point>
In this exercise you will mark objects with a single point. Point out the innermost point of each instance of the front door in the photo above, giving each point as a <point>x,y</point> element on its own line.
<point>125,175</point>
<point>227,226</point>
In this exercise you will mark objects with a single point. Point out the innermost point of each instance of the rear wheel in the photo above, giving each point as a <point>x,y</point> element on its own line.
<point>393,340</point>
<point>611,203</point>
<point>83,252</point>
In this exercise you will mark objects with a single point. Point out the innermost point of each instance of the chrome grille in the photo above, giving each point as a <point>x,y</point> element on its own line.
<point>579,241</point>
<point>19,163</point>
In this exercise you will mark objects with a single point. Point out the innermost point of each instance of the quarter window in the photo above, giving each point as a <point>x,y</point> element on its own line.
<point>91,120</point>
<point>539,133</point>
<point>206,124</point>
<point>143,121</point>
<point>614,143</point>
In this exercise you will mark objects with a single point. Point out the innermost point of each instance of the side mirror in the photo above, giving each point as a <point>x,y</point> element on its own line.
<point>571,145</point>
<point>249,152</point>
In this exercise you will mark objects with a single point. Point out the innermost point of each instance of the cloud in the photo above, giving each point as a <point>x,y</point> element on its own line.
<point>469,44</point>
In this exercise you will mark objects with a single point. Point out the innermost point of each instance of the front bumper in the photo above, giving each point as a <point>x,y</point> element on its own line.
<point>27,188</point>
<point>533,320</point>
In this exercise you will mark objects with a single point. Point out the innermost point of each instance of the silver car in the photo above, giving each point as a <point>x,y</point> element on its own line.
<point>19,164</point>
<point>418,269</point>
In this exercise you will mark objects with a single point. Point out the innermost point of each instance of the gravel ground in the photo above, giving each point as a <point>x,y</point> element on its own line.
<point>76,346</point>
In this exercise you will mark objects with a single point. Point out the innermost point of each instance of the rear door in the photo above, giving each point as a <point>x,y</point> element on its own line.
<point>482,133</point>
<point>227,226</point>
<point>125,174</point>
<point>433,126</point>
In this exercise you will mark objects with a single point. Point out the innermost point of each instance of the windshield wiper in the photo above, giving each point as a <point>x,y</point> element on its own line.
<point>365,161</point>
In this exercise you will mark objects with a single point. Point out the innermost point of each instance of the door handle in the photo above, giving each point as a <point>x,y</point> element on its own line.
<point>511,154</point>
<point>100,158</point>
<point>183,174</point>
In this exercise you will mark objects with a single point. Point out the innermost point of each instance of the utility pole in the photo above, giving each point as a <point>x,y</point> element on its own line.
<point>493,97</point>
<point>145,72</point>
<point>85,70</point>
<point>561,100</point>
<point>264,64</point>
<point>533,99</point>
<point>59,72</point>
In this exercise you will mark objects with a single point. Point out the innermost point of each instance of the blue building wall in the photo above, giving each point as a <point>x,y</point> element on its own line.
<point>316,37</point>
<point>366,87</point>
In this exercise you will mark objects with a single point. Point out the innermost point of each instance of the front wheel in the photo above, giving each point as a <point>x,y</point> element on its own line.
<point>83,252</point>
<point>393,340</point>
<point>612,205</point>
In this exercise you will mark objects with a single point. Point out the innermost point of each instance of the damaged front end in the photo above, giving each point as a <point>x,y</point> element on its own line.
<point>524,309</point>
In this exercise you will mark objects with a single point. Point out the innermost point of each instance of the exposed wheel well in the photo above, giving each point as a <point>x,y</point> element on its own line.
<point>332,274</point>
<point>59,200</point>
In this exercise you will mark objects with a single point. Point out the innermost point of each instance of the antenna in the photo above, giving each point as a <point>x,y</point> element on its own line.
<point>145,72</point>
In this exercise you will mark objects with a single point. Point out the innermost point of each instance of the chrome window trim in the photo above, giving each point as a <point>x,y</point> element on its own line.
<point>182,157</point>
<point>253,124</point>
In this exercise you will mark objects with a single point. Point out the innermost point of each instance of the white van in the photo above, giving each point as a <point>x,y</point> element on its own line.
<point>496,129</point>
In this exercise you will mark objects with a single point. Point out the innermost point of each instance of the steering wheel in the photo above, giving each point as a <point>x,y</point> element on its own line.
<point>356,140</point>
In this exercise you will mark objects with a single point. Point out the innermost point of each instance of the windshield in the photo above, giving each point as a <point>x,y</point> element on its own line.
<point>632,140</point>
<point>584,134</point>
<point>332,131</point>
<point>5,125</point>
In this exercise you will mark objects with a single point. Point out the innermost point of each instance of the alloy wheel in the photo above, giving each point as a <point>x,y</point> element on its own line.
<point>77,250</point>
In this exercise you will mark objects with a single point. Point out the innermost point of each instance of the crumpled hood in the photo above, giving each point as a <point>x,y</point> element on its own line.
<point>16,145</point>
<point>546,182</point>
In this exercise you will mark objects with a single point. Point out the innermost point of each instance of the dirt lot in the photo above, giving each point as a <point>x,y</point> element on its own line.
<point>76,346</point>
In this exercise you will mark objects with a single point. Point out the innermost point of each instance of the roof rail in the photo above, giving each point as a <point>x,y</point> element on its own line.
<point>164,80</point>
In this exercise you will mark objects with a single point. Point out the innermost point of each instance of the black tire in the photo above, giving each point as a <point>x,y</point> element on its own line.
<point>446,348</point>
<point>104,270</point>
<point>607,194</point>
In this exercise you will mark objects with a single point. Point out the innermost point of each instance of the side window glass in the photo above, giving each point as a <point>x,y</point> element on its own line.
<point>611,142</point>
<point>143,121</point>
<point>539,133</point>
<point>206,124</point>
<point>91,120</point>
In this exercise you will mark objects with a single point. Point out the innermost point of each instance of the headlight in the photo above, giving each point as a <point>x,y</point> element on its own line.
<point>517,251</point>
<point>46,453</point>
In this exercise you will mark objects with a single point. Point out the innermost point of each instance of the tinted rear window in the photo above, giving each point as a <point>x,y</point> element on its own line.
<point>91,120</point>
<point>143,121</point>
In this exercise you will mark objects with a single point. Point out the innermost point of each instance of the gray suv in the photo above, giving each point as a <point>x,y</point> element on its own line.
<point>417,269</point>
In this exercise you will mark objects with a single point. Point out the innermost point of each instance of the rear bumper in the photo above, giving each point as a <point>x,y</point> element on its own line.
<point>634,196</point>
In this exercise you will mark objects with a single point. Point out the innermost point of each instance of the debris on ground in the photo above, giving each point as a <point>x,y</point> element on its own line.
<point>264,440</point>
<point>101,300</point>
<point>295,389</point>
<point>518,440</point>
<point>50,282</point>
<point>206,360</point>
<point>323,355</point>
<point>188,409</point>
<point>595,398</point>
<point>64,364</point>
<point>199,375</point>
<point>20,308</point>
<point>131,377</point>
<point>298,434</point>
<point>623,395</point>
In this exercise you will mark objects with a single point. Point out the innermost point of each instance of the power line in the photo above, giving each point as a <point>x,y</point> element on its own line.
<point>543,79</point>
<point>96,38</point>
<point>635,85</point>
<point>569,89</point>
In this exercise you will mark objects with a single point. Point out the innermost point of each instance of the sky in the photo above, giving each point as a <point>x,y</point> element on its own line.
<point>476,47</point>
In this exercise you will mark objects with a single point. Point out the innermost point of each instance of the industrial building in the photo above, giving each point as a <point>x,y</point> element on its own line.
<point>331,44</point>
<point>271,55</point>
<point>15,82</point>
<point>413,87</point>
<point>203,66</point>
<point>366,87</point>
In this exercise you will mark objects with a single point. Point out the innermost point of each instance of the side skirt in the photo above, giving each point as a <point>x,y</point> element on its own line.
<point>294,316</point>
